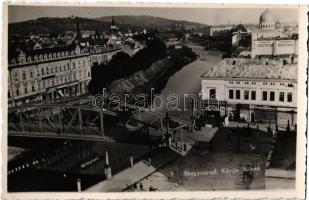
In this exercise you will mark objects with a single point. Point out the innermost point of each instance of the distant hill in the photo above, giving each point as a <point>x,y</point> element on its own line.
<point>59,25</point>
<point>55,25</point>
<point>147,21</point>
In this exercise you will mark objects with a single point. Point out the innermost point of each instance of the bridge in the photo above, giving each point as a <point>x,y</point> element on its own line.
<point>77,119</point>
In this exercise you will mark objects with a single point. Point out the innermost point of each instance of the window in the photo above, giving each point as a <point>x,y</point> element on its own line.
<point>26,90</point>
<point>43,71</point>
<point>272,96</point>
<point>212,93</point>
<point>281,96</point>
<point>264,95</point>
<point>290,97</point>
<point>24,75</point>
<point>253,95</point>
<point>246,94</point>
<point>31,74</point>
<point>231,94</point>
<point>17,91</point>
<point>237,94</point>
<point>32,87</point>
<point>16,76</point>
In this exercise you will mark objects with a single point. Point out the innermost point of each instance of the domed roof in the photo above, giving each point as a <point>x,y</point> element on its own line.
<point>266,17</point>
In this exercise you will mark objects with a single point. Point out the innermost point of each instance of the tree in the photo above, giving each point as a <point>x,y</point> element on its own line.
<point>119,66</point>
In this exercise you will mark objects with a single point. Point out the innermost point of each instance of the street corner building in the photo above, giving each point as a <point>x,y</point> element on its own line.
<point>36,74</point>
<point>254,90</point>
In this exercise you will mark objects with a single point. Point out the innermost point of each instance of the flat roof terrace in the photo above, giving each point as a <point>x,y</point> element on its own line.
<point>252,69</point>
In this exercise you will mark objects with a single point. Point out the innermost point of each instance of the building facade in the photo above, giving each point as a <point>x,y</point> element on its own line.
<point>52,73</point>
<point>220,28</point>
<point>273,40</point>
<point>255,90</point>
<point>103,54</point>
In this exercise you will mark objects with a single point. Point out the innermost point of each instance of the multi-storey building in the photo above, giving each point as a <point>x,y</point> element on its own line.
<point>220,28</point>
<point>256,90</point>
<point>52,72</point>
<point>103,54</point>
<point>272,39</point>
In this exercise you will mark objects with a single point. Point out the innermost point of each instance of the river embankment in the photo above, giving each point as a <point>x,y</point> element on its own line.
<point>141,82</point>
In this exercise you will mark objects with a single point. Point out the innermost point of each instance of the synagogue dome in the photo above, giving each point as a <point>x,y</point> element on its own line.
<point>267,20</point>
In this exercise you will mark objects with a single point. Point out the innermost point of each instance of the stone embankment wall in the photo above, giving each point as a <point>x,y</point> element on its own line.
<point>142,81</point>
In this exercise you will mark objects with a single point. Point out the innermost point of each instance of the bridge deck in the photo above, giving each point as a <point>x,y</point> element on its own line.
<point>70,136</point>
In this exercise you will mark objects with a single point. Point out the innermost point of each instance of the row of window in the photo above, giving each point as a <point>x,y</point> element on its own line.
<point>281,96</point>
<point>254,83</point>
<point>49,83</point>
<point>267,26</point>
<point>48,70</point>
<point>246,94</point>
<point>22,59</point>
<point>235,94</point>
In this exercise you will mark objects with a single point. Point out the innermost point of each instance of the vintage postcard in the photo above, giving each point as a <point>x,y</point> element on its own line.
<point>154,101</point>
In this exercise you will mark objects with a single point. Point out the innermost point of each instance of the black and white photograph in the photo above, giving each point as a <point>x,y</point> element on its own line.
<point>153,99</point>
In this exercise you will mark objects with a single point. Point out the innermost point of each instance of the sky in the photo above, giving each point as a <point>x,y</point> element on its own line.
<point>210,16</point>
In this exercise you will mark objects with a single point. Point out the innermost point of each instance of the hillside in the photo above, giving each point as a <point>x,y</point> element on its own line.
<point>147,21</point>
<point>59,25</point>
<point>55,25</point>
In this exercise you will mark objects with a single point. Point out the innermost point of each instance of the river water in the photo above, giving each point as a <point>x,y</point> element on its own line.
<point>185,81</point>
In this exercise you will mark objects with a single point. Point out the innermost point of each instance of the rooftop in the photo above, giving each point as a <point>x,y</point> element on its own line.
<point>252,68</point>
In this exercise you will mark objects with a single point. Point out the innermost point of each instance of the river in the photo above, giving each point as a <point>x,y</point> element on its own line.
<point>185,81</point>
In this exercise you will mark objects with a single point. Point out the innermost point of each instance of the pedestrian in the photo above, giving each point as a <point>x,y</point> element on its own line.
<point>141,187</point>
